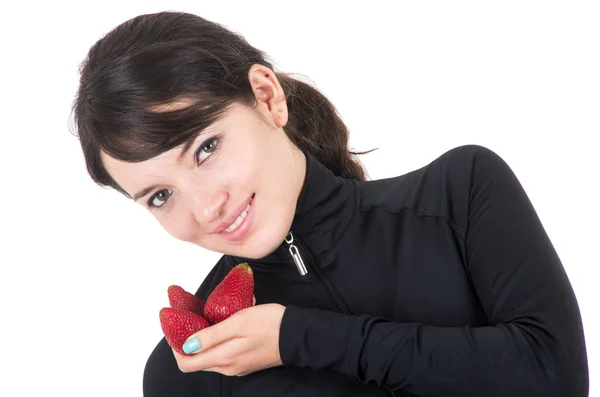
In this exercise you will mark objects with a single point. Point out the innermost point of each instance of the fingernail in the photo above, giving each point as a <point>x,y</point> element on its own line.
<point>191,345</point>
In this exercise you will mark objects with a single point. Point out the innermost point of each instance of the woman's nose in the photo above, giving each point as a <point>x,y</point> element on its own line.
<point>209,208</point>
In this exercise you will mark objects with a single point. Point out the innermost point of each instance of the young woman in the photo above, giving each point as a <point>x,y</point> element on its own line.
<point>440,282</point>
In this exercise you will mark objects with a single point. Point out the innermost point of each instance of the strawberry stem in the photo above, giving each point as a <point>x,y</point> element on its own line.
<point>245,266</point>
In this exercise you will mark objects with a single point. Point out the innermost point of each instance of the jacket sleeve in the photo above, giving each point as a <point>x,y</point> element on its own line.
<point>534,343</point>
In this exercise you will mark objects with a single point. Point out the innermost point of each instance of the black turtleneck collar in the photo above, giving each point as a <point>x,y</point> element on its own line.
<point>325,207</point>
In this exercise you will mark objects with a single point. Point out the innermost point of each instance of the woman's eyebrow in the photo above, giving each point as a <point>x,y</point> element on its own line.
<point>191,140</point>
<point>186,147</point>
<point>143,192</point>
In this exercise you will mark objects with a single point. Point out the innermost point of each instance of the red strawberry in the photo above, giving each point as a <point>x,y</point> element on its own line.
<point>232,294</point>
<point>178,325</point>
<point>181,299</point>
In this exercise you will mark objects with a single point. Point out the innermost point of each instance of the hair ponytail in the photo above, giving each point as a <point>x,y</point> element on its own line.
<point>315,126</point>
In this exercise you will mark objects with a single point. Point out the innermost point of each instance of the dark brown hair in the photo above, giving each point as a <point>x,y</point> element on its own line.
<point>157,58</point>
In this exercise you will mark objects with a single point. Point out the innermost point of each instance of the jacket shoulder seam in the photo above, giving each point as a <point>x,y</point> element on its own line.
<point>422,214</point>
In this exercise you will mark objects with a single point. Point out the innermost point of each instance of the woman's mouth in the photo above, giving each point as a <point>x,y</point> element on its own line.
<point>239,227</point>
<point>238,220</point>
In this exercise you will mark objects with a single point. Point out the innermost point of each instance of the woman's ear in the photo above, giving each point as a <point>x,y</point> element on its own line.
<point>269,93</point>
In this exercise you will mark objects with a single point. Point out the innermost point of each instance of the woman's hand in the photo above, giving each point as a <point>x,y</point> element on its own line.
<point>245,343</point>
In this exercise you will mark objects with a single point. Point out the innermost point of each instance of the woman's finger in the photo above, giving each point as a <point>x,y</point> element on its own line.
<point>214,335</point>
<point>215,359</point>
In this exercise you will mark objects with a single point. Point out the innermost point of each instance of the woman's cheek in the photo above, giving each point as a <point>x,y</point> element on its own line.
<point>181,226</point>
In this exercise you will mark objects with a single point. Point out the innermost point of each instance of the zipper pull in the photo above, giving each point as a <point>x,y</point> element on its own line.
<point>296,254</point>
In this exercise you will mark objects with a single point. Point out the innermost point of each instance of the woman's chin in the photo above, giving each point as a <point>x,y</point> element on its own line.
<point>263,246</point>
<point>258,253</point>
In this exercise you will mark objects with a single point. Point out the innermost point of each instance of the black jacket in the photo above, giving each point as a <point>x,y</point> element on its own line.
<point>441,282</point>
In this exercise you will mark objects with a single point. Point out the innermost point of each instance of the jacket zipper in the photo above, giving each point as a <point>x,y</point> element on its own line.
<point>296,254</point>
<point>300,264</point>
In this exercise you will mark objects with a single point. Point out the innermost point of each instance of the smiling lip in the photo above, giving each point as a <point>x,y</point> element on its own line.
<point>232,217</point>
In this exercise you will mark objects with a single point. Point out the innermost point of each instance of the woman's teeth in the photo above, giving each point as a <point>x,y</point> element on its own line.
<point>239,220</point>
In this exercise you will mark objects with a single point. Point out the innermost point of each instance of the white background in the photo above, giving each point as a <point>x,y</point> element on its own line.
<point>85,271</point>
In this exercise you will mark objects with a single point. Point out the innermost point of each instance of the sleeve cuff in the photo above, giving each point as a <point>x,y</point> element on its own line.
<point>312,338</point>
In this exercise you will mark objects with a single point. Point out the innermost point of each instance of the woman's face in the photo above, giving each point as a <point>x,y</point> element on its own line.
<point>234,191</point>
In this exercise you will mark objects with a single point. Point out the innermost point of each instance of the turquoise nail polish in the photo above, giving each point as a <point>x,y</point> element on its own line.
<point>191,345</point>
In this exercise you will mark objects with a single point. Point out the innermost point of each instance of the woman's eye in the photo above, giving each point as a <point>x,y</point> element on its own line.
<point>159,198</point>
<point>205,150</point>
